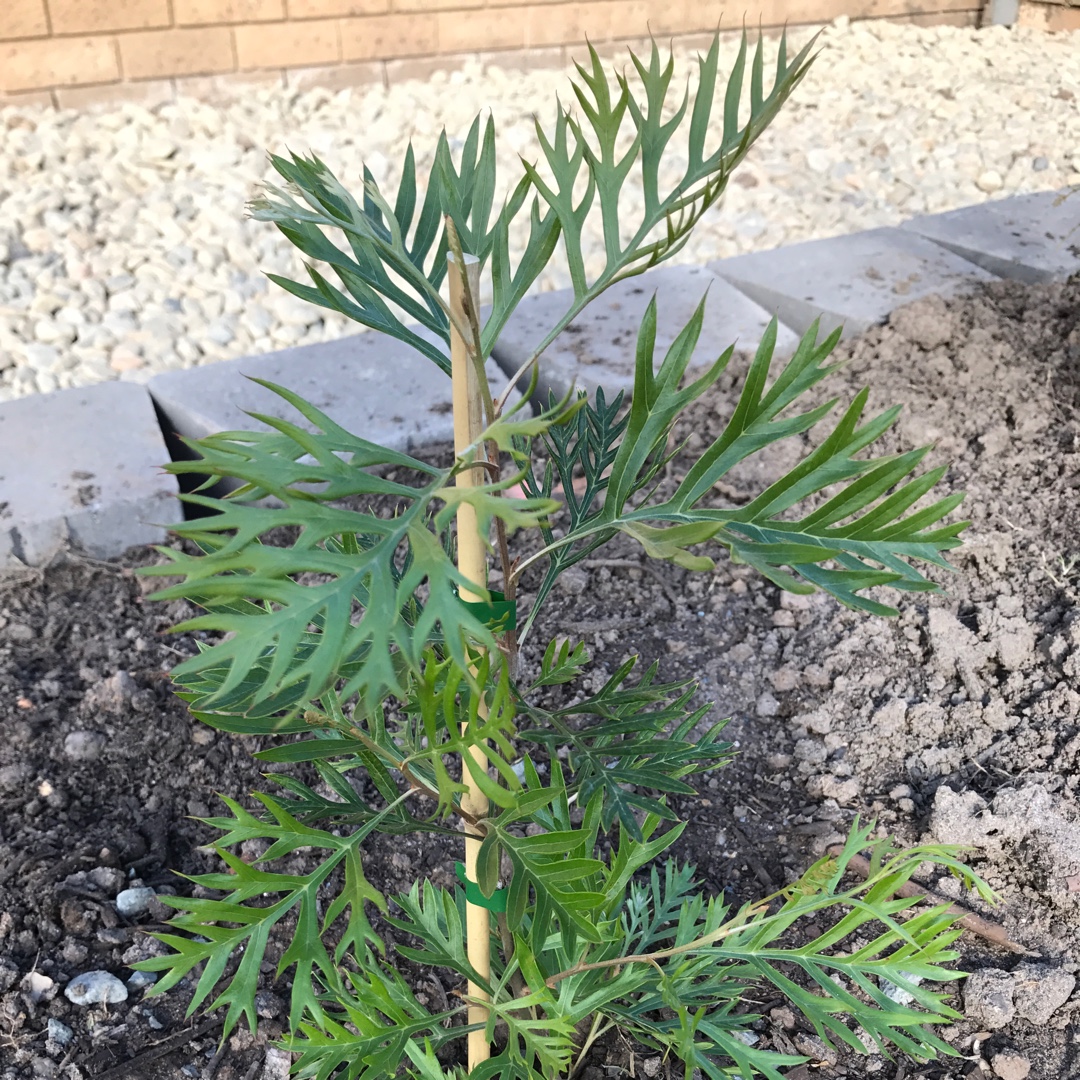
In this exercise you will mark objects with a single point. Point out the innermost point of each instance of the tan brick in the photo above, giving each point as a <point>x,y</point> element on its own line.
<point>160,53</point>
<point>471,31</point>
<point>95,16</point>
<point>938,18</point>
<point>205,12</point>
<point>692,16</point>
<point>226,87</point>
<point>617,51</point>
<point>385,37</point>
<point>549,59</point>
<point>288,44</point>
<point>22,19</point>
<point>434,5</point>
<point>320,9</point>
<point>150,93</point>
<point>337,77</point>
<point>423,67</point>
<point>1050,17</point>
<point>32,65</point>
<point>880,8</point>
<point>599,21</point>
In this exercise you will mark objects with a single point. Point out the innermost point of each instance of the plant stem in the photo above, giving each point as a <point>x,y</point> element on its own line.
<point>464,280</point>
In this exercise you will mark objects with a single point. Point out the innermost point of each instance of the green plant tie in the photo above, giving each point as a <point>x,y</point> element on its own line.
<point>499,612</point>
<point>496,902</point>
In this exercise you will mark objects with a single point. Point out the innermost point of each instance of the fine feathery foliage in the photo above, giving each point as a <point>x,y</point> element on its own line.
<point>350,650</point>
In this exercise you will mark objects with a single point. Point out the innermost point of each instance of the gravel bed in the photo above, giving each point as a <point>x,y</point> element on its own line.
<point>124,250</point>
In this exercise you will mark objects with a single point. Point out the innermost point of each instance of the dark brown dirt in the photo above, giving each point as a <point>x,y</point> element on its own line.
<point>960,720</point>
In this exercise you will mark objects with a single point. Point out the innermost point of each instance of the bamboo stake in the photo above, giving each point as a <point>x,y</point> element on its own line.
<point>472,562</point>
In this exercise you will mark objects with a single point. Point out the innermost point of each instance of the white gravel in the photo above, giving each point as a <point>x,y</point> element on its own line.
<point>124,250</point>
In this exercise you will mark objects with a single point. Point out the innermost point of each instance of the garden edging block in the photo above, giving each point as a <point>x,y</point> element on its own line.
<point>82,468</point>
<point>852,281</point>
<point>376,387</point>
<point>1029,238</point>
<point>597,348</point>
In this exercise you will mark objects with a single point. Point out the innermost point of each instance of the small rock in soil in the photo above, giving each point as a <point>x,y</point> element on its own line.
<point>133,902</point>
<point>898,993</point>
<point>141,980</point>
<point>59,1033</point>
<point>95,987</point>
<point>988,998</point>
<point>103,879</point>
<point>574,581</point>
<point>111,694</point>
<point>1009,1065</point>
<point>38,987</point>
<point>9,972</point>
<point>277,1064</point>
<point>84,745</point>
<point>13,777</point>
<point>814,1047</point>
<point>1040,990</point>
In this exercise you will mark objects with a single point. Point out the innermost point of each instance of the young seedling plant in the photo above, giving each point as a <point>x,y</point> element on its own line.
<point>372,647</point>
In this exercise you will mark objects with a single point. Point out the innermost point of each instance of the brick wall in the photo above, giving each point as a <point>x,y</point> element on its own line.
<point>1049,14</point>
<point>82,52</point>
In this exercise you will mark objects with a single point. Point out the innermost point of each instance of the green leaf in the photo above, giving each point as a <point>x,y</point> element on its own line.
<point>859,538</point>
<point>560,664</point>
<point>392,259</point>
<point>436,917</point>
<point>633,737</point>
<point>294,637</point>
<point>377,1024</point>
<point>588,173</point>
<point>217,940</point>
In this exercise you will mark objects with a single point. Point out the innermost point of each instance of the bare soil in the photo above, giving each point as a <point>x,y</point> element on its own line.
<point>958,721</point>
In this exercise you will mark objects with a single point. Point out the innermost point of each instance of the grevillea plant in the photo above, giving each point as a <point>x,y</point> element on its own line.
<point>371,648</point>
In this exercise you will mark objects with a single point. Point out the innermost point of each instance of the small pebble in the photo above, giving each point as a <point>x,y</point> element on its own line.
<point>897,993</point>
<point>133,902</point>
<point>767,705</point>
<point>38,987</point>
<point>59,1033</point>
<point>140,980</point>
<point>84,745</point>
<point>43,1068</point>
<point>95,987</point>
<point>574,581</point>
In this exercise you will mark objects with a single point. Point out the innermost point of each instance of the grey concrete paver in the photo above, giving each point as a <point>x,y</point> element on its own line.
<point>853,281</point>
<point>82,468</point>
<point>598,347</point>
<point>1030,238</point>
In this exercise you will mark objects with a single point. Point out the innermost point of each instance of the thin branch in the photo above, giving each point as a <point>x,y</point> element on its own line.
<point>991,931</point>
